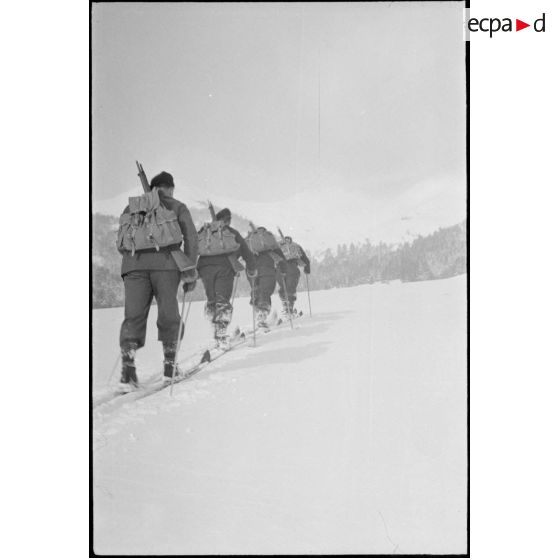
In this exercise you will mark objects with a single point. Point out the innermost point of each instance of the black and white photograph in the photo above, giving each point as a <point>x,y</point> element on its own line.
<point>279,278</point>
<point>279,288</point>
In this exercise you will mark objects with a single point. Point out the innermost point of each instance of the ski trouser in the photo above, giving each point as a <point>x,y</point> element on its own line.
<point>140,286</point>
<point>292,278</point>
<point>263,289</point>
<point>218,281</point>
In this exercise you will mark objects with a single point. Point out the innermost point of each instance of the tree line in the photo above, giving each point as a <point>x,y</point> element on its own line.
<point>438,255</point>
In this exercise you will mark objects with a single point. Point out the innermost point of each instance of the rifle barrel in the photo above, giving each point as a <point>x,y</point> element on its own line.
<point>142,177</point>
<point>211,210</point>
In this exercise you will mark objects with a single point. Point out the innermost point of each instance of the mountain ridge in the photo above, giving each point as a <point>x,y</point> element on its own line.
<point>320,218</point>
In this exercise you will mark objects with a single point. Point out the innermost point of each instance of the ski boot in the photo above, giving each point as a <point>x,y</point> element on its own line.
<point>222,340</point>
<point>261,320</point>
<point>169,364</point>
<point>128,378</point>
<point>224,343</point>
<point>292,312</point>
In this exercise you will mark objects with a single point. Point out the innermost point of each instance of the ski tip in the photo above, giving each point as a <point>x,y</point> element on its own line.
<point>206,357</point>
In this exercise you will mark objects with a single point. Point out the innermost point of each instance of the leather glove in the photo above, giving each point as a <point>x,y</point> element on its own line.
<point>188,286</point>
<point>307,269</point>
<point>189,277</point>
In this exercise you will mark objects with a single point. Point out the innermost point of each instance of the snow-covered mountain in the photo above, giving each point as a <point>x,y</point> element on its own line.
<point>323,217</point>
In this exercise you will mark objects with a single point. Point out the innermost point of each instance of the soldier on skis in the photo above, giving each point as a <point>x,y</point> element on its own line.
<point>153,227</point>
<point>269,261</point>
<point>220,248</point>
<point>288,282</point>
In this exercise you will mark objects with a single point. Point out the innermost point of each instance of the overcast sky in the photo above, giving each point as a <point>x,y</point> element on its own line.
<point>257,102</point>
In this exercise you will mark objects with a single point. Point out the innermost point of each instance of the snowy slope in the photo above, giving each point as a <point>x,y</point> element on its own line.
<point>347,435</point>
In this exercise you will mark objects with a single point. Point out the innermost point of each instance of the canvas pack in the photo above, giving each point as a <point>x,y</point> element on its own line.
<point>148,225</point>
<point>216,239</point>
<point>261,241</point>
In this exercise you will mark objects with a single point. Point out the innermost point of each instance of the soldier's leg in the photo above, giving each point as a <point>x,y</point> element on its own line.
<point>207,274</point>
<point>266,286</point>
<point>253,290</point>
<point>282,284</point>
<point>165,287</point>
<point>224,281</point>
<point>138,296</point>
<point>292,284</point>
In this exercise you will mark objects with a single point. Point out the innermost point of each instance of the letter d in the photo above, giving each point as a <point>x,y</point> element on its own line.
<point>535,25</point>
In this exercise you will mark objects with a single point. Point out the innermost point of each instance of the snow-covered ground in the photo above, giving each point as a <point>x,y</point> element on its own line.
<point>346,435</point>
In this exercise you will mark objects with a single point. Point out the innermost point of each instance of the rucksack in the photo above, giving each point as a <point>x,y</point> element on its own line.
<point>261,241</point>
<point>291,251</point>
<point>215,239</point>
<point>147,225</point>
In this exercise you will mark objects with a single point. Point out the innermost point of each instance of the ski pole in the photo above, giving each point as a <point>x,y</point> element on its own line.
<point>181,328</point>
<point>236,276</point>
<point>253,283</point>
<point>114,368</point>
<point>287,295</point>
<point>308,291</point>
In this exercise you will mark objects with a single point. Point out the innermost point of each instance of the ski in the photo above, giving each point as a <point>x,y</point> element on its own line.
<point>116,392</point>
<point>155,383</point>
<point>155,379</point>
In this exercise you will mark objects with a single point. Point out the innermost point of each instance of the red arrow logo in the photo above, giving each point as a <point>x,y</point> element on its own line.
<point>519,25</point>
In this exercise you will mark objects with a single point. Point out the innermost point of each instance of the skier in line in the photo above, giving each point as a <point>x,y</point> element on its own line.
<point>295,256</point>
<point>269,261</point>
<point>217,273</point>
<point>153,272</point>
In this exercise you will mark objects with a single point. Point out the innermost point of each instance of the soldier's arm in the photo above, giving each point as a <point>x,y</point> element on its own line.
<point>188,232</point>
<point>282,263</point>
<point>304,259</point>
<point>245,252</point>
<point>279,252</point>
<point>121,251</point>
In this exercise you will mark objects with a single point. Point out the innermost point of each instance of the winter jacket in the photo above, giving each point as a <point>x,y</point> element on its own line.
<point>304,259</point>
<point>151,259</point>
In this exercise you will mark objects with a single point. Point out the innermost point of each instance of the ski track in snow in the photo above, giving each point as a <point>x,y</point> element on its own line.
<point>190,391</point>
<point>315,441</point>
